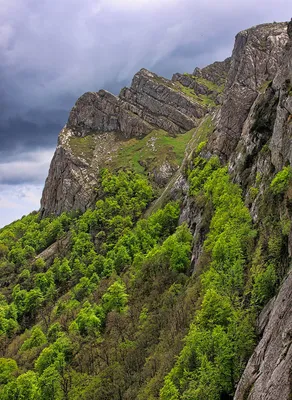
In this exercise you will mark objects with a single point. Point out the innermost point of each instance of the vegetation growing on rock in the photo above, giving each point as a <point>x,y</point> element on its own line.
<point>129,296</point>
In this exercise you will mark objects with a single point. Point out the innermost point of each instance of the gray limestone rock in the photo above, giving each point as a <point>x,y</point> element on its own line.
<point>268,374</point>
<point>159,102</point>
<point>257,54</point>
<point>216,72</point>
<point>151,102</point>
<point>104,112</point>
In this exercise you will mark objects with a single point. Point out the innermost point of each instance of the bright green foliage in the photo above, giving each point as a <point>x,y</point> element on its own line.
<point>50,384</point>
<point>177,248</point>
<point>201,171</point>
<point>281,181</point>
<point>3,250</point>
<point>36,339</point>
<point>221,336</point>
<point>57,354</point>
<point>253,192</point>
<point>25,387</point>
<point>7,368</point>
<point>83,288</point>
<point>114,305</point>
<point>28,236</point>
<point>105,241</point>
<point>169,390</point>
<point>115,298</point>
<point>54,332</point>
<point>130,192</point>
<point>8,318</point>
<point>62,270</point>
<point>89,320</point>
<point>264,285</point>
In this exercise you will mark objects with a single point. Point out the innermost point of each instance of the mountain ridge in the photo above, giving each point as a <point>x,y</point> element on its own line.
<point>159,264</point>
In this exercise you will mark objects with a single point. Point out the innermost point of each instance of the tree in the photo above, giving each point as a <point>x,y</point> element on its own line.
<point>7,369</point>
<point>49,383</point>
<point>115,298</point>
<point>36,339</point>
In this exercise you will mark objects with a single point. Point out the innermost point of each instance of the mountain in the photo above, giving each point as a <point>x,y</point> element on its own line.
<point>158,266</point>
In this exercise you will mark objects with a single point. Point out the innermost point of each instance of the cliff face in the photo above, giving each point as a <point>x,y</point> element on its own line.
<point>256,56</point>
<point>106,121</point>
<point>268,372</point>
<point>265,147</point>
<point>252,118</point>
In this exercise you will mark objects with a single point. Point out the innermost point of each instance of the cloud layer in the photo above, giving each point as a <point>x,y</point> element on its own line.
<point>26,168</point>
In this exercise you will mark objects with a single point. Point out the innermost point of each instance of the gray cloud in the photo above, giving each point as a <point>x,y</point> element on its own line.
<point>16,201</point>
<point>25,168</point>
<point>52,51</point>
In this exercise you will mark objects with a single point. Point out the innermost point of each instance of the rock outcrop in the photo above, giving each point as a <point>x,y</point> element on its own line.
<point>264,148</point>
<point>160,102</point>
<point>104,112</point>
<point>151,102</point>
<point>268,374</point>
<point>105,121</point>
<point>216,72</point>
<point>257,54</point>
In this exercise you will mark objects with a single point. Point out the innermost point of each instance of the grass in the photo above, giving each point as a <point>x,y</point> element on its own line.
<point>210,85</point>
<point>198,136</point>
<point>203,131</point>
<point>205,82</point>
<point>151,151</point>
<point>201,99</point>
<point>82,146</point>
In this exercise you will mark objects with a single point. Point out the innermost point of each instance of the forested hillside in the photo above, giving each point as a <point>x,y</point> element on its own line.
<point>162,243</point>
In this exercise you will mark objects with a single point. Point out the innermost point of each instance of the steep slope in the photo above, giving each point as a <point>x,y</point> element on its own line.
<point>265,148</point>
<point>158,267</point>
<point>256,56</point>
<point>100,124</point>
<point>268,372</point>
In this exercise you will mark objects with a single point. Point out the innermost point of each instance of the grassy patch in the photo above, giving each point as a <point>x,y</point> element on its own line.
<point>82,146</point>
<point>204,100</point>
<point>210,85</point>
<point>204,130</point>
<point>205,82</point>
<point>152,151</point>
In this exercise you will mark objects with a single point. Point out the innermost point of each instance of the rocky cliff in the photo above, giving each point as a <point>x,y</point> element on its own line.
<point>247,102</point>
<point>100,123</point>
<point>263,149</point>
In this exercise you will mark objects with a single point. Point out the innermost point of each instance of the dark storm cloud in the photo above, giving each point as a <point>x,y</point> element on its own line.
<point>52,51</point>
<point>17,133</point>
<point>25,167</point>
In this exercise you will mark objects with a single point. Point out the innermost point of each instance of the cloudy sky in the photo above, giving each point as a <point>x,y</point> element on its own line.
<point>52,51</point>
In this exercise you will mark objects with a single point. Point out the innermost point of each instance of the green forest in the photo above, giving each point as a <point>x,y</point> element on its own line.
<point>118,310</point>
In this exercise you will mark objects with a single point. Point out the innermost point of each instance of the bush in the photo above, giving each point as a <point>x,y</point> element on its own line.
<point>264,286</point>
<point>280,183</point>
<point>36,339</point>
